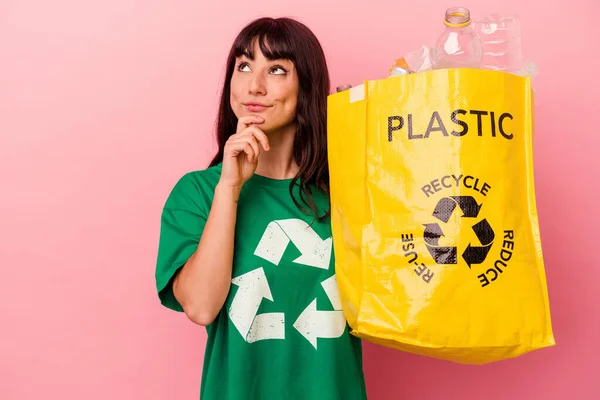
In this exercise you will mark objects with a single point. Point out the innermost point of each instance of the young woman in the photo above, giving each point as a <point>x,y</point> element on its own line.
<point>245,245</point>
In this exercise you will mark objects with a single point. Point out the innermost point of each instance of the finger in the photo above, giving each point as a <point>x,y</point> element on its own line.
<point>254,143</point>
<point>250,152</point>
<point>255,147</point>
<point>253,134</point>
<point>261,136</point>
<point>243,142</point>
<point>235,146</point>
<point>246,121</point>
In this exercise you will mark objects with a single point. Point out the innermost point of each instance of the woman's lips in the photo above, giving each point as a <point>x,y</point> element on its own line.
<point>255,107</point>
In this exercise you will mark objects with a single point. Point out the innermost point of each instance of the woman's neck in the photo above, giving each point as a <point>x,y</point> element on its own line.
<point>278,162</point>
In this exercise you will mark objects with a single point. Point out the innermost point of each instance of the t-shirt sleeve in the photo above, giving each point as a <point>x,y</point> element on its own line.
<point>182,222</point>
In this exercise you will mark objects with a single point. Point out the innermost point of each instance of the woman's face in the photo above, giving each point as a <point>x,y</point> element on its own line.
<point>265,88</point>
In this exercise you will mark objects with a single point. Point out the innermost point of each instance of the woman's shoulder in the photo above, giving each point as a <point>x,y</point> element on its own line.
<point>194,188</point>
<point>208,177</point>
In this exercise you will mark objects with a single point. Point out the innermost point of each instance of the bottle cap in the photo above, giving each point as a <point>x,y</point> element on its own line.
<point>457,17</point>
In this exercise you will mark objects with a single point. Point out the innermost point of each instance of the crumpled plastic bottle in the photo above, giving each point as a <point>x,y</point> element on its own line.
<point>500,36</point>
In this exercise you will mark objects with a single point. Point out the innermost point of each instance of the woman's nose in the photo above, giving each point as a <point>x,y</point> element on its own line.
<point>257,85</point>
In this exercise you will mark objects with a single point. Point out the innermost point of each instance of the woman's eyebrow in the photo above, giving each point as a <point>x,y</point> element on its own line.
<point>247,54</point>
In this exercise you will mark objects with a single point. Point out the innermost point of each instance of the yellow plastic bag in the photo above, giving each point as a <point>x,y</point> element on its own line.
<point>434,216</point>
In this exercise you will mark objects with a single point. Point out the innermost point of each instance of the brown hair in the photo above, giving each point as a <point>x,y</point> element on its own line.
<point>285,38</point>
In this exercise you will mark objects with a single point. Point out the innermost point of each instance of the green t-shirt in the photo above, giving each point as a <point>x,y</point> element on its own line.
<point>281,334</point>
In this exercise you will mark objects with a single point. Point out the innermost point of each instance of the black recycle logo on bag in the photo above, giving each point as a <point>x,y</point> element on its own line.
<point>474,253</point>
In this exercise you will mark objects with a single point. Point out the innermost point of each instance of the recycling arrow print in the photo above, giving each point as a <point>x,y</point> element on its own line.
<point>314,324</point>
<point>486,235</point>
<point>315,252</point>
<point>484,232</point>
<point>441,255</point>
<point>468,205</point>
<point>445,207</point>
<point>253,287</point>
<point>432,234</point>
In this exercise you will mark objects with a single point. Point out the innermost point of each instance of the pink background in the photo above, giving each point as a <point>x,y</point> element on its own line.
<point>104,104</point>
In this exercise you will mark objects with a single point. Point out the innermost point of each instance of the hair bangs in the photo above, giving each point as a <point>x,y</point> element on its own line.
<point>272,39</point>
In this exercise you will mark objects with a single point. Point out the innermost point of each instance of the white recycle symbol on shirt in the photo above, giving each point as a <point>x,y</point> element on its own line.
<point>253,287</point>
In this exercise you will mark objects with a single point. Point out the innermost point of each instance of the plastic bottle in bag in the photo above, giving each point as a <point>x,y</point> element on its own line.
<point>458,46</point>
<point>500,36</point>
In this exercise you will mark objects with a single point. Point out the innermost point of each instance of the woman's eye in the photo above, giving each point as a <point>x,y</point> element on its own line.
<point>244,67</point>
<point>278,71</point>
